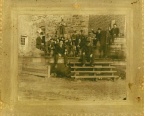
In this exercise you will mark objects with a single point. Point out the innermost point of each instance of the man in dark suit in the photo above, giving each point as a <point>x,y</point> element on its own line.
<point>114,32</point>
<point>98,36</point>
<point>74,39</point>
<point>39,42</point>
<point>88,54</point>
<point>83,40</point>
<point>60,51</point>
<point>103,44</point>
<point>78,44</point>
<point>101,38</point>
<point>62,28</point>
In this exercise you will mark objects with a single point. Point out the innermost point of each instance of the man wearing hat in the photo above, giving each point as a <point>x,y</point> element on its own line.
<point>97,36</point>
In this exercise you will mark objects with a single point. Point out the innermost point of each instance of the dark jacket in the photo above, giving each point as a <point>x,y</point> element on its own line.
<point>58,49</point>
<point>83,41</point>
<point>38,42</point>
<point>43,39</point>
<point>97,35</point>
<point>88,49</point>
<point>114,31</point>
<point>103,38</point>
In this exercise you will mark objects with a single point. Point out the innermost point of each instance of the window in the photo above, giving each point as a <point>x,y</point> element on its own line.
<point>23,40</point>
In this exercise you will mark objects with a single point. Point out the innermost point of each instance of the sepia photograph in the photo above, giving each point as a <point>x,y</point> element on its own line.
<point>72,58</point>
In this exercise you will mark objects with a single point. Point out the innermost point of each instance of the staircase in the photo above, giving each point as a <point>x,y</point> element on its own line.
<point>118,48</point>
<point>101,69</point>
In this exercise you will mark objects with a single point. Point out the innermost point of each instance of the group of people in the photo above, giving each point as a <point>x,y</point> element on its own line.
<point>79,45</point>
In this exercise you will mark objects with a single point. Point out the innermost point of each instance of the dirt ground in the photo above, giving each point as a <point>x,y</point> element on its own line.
<point>39,88</point>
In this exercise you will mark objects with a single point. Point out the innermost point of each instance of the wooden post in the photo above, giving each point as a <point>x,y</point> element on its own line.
<point>48,71</point>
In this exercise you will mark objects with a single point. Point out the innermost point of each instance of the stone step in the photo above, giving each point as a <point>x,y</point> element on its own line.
<point>93,71</point>
<point>106,76</point>
<point>92,67</point>
<point>94,62</point>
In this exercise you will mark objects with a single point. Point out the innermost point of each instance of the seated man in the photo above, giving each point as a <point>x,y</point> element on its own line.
<point>60,51</point>
<point>88,54</point>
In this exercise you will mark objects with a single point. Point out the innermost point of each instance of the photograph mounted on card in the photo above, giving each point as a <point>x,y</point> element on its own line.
<point>85,53</point>
<point>74,56</point>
